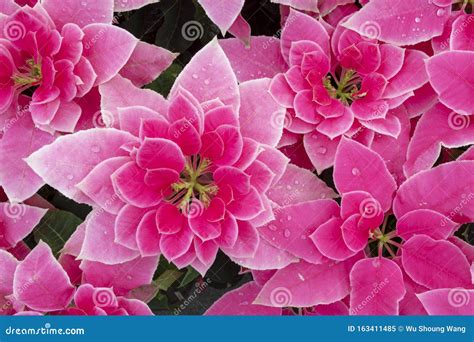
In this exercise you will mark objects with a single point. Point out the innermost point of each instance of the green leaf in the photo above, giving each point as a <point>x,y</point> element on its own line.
<point>166,80</point>
<point>55,228</point>
<point>168,278</point>
<point>191,275</point>
<point>178,18</point>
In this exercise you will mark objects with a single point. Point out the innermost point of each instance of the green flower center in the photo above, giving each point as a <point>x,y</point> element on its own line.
<point>196,182</point>
<point>28,75</point>
<point>346,89</point>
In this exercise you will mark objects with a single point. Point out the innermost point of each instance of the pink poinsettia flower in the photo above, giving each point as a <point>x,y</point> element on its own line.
<point>52,64</point>
<point>123,278</point>
<point>417,258</point>
<point>62,58</point>
<point>39,285</point>
<point>102,301</point>
<point>182,178</point>
<point>346,84</point>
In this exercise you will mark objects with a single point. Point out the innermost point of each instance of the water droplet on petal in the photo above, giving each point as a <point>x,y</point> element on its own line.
<point>272,227</point>
<point>417,20</point>
<point>95,149</point>
<point>206,82</point>
<point>300,276</point>
<point>289,218</point>
<point>440,12</point>
<point>322,150</point>
<point>195,76</point>
<point>355,171</point>
<point>70,177</point>
<point>287,233</point>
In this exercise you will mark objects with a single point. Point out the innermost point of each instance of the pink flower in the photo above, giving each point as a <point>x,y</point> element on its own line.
<point>39,285</point>
<point>185,181</point>
<point>352,92</point>
<point>419,266</point>
<point>60,59</point>
<point>102,301</point>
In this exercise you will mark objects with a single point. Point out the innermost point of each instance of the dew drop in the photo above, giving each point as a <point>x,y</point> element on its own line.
<point>355,171</point>
<point>417,20</point>
<point>195,76</point>
<point>272,227</point>
<point>95,149</point>
<point>289,218</point>
<point>297,182</point>
<point>206,82</point>
<point>129,277</point>
<point>322,150</point>
<point>300,276</point>
<point>70,177</point>
<point>288,187</point>
<point>287,233</point>
<point>440,12</point>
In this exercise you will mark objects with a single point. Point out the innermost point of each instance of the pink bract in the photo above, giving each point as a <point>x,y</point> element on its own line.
<point>183,183</point>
